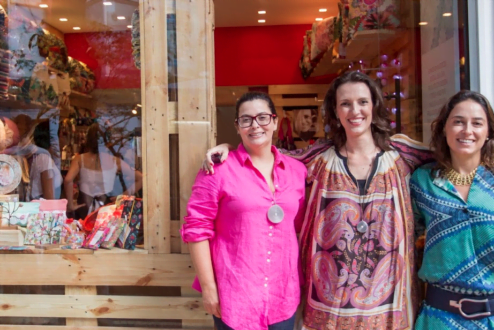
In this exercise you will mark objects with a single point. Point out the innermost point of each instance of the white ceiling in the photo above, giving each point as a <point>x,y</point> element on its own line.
<point>92,15</point>
<point>279,12</point>
<point>89,15</point>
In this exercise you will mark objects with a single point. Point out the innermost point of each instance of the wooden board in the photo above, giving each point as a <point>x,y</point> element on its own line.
<point>105,269</point>
<point>93,306</point>
<point>194,118</point>
<point>154,74</point>
<point>80,290</point>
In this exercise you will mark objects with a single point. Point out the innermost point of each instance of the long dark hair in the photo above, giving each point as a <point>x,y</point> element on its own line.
<point>438,141</point>
<point>93,139</point>
<point>381,124</point>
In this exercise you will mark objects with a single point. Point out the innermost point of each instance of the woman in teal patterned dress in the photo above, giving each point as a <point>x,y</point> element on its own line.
<point>454,203</point>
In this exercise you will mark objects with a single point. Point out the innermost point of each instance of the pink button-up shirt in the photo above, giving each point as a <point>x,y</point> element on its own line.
<point>255,261</point>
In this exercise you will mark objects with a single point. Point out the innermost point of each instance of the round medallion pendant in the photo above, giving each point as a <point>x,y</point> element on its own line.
<point>275,214</point>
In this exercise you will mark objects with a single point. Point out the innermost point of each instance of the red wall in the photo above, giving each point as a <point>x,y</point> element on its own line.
<point>264,55</point>
<point>109,55</point>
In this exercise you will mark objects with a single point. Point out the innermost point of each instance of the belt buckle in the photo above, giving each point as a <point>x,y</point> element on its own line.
<point>475,315</point>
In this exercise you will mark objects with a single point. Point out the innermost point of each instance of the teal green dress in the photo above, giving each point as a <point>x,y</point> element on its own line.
<point>459,244</point>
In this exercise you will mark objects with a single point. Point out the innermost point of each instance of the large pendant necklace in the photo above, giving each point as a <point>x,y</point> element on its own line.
<point>459,179</point>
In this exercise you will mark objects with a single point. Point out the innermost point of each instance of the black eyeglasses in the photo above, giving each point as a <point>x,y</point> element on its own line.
<point>262,119</point>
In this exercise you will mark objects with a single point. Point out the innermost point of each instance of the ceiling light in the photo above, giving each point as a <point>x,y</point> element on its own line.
<point>423,23</point>
<point>140,106</point>
<point>323,10</point>
<point>63,20</point>
<point>319,19</point>
<point>120,17</point>
<point>261,12</point>
<point>43,5</point>
<point>134,111</point>
<point>447,14</point>
<point>107,3</point>
<point>262,21</point>
<point>76,28</point>
<point>129,26</point>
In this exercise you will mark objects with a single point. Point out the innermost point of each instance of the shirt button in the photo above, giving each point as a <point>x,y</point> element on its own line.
<point>272,202</point>
<point>269,252</point>
<point>268,260</point>
<point>270,227</point>
<point>276,186</point>
<point>265,285</point>
<point>266,278</point>
<point>270,234</point>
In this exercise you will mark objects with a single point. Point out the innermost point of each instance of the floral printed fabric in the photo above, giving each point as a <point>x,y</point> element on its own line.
<point>45,228</point>
<point>359,15</point>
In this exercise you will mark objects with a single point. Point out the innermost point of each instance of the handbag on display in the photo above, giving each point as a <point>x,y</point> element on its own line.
<point>132,211</point>
<point>285,140</point>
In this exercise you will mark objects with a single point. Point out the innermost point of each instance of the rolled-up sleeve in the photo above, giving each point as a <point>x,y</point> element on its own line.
<point>202,209</point>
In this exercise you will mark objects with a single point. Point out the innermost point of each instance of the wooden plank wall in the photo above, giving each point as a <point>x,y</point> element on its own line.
<point>82,274</point>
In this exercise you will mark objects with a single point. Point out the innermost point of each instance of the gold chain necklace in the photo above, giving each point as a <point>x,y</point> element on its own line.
<point>459,179</point>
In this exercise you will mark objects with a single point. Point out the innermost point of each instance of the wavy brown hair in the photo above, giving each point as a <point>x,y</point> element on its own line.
<point>381,124</point>
<point>438,140</point>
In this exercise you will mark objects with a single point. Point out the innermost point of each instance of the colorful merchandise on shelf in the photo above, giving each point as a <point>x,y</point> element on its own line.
<point>322,37</point>
<point>369,15</point>
<point>18,213</point>
<point>94,240</point>
<point>116,225</point>
<point>82,78</point>
<point>46,228</point>
<point>132,210</point>
<point>52,48</point>
<point>136,39</point>
<point>305,62</point>
<point>44,86</point>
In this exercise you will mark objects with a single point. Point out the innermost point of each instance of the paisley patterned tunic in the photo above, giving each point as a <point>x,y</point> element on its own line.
<point>359,280</point>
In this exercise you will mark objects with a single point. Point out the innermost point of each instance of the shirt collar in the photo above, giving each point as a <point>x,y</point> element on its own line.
<point>244,156</point>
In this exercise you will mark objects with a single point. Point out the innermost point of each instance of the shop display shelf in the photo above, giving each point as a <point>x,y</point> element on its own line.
<point>329,65</point>
<point>79,94</point>
<point>13,103</point>
<point>368,44</point>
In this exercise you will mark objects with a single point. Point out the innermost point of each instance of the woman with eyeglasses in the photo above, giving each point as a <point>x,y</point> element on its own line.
<point>357,241</point>
<point>241,227</point>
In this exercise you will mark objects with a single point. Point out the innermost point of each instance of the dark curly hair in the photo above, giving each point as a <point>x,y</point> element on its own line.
<point>381,124</point>
<point>438,140</point>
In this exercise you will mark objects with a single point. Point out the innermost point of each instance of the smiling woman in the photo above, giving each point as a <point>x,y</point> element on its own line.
<point>453,203</point>
<point>243,221</point>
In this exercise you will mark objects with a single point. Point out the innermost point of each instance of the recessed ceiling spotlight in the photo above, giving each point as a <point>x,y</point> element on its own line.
<point>447,14</point>
<point>129,26</point>
<point>43,5</point>
<point>63,20</point>
<point>107,3</point>
<point>261,12</point>
<point>134,111</point>
<point>262,21</point>
<point>121,17</point>
<point>319,19</point>
<point>76,28</point>
<point>423,23</point>
<point>140,106</point>
<point>323,10</point>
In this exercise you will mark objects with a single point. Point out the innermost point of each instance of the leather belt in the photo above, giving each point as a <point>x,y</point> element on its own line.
<point>469,306</point>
